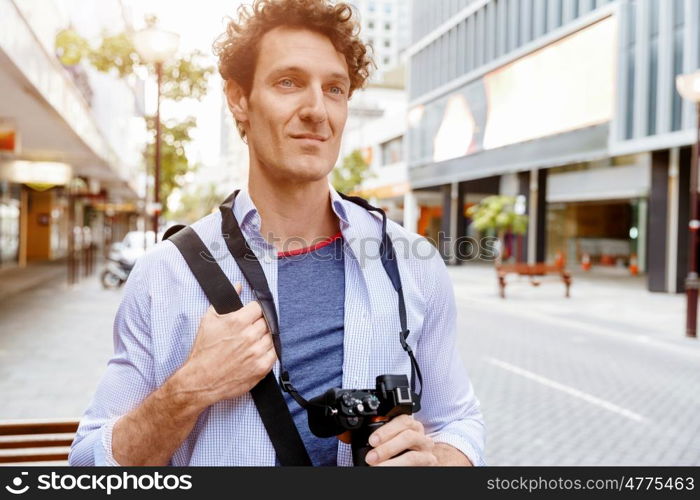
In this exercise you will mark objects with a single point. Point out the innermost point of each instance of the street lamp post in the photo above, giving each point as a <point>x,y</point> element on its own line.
<point>689,87</point>
<point>156,46</point>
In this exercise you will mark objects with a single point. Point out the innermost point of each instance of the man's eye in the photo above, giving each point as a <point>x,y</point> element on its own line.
<point>287,82</point>
<point>337,90</point>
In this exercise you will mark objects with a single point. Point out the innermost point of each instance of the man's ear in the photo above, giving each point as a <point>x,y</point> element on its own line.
<point>237,101</point>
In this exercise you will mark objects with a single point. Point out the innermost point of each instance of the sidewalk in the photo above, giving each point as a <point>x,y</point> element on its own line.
<point>19,279</point>
<point>55,341</point>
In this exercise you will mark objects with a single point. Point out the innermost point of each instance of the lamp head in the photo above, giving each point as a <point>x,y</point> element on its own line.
<point>689,86</point>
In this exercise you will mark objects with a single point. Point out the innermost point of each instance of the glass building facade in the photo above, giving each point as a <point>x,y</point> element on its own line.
<point>528,96</point>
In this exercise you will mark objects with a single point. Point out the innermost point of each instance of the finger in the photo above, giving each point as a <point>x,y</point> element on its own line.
<point>411,459</point>
<point>258,329</point>
<point>391,429</point>
<point>246,314</point>
<point>409,439</point>
<point>265,343</point>
<point>250,312</point>
<point>270,358</point>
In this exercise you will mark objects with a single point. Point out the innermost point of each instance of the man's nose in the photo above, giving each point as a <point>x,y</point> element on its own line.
<point>314,107</point>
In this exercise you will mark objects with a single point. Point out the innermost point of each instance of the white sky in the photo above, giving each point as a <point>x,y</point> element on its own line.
<point>198,23</point>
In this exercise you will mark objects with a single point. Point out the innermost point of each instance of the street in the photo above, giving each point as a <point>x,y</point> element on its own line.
<point>603,378</point>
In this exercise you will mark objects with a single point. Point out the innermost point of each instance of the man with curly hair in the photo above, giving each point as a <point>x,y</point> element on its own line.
<point>177,390</point>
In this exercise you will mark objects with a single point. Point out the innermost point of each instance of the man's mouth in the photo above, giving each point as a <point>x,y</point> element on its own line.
<point>310,137</point>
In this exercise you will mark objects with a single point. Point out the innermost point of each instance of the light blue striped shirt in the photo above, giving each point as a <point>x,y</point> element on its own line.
<point>158,318</point>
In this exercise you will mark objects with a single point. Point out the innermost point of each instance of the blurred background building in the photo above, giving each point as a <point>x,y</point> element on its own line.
<point>570,103</point>
<point>70,138</point>
<point>377,116</point>
<point>386,26</point>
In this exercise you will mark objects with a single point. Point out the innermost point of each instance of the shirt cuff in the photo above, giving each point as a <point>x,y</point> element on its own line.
<point>462,444</point>
<point>103,446</point>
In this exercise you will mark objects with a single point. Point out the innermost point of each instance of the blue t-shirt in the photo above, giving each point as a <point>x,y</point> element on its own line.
<point>311,295</point>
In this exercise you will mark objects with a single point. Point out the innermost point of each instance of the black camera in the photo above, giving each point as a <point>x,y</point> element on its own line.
<point>361,411</point>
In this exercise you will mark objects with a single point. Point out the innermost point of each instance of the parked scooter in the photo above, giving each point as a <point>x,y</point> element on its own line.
<point>116,273</point>
<point>123,256</point>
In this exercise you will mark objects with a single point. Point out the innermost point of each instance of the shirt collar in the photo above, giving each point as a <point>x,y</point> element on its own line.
<point>338,205</point>
<point>247,214</point>
<point>245,211</point>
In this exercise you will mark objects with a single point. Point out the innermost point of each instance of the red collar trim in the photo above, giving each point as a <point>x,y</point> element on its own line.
<point>301,251</point>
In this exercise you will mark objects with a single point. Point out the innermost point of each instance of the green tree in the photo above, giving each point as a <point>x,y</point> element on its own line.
<point>195,205</point>
<point>351,173</point>
<point>183,77</point>
<point>498,213</point>
<point>175,136</point>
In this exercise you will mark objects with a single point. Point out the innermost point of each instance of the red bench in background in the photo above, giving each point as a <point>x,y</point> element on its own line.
<point>533,271</point>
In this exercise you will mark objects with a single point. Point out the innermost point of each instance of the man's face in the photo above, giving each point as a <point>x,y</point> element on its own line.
<point>296,112</point>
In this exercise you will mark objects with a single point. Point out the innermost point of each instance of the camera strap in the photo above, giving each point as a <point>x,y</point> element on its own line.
<point>253,272</point>
<point>388,258</point>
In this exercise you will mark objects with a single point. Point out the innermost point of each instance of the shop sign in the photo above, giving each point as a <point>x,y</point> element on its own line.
<point>9,137</point>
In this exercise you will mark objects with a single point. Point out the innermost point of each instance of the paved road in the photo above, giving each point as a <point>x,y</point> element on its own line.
<point>603,378</point>
<point>565,386</point>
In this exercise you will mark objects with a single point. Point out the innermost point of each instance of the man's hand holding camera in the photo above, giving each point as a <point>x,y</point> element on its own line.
<point>403,442</point>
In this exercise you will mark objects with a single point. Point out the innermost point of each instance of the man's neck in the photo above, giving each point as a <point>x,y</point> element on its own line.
<point>293,216</point>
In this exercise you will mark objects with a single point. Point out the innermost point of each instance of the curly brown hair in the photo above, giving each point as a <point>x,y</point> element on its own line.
<point>238,48</point>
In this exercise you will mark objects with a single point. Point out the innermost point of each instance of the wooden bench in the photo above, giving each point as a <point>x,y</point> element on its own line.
<point>533,271</point>
<point>24,441</point>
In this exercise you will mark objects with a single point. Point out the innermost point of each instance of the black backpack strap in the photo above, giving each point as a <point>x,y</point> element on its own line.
<point>172,230</point>
<point>266,394</point>
<point>252,270</point>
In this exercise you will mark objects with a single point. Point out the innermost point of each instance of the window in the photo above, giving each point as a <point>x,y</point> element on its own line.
<point>387,43</point>
<point>386,61</point>
<point>470,51</point>
<point>392,151</point>
<point>513,19</point>
<point>387,8</point>
<point>371,7</point>
<point>653,65</point>
<point>9,223</point>
<point>554,14</point>
<point>630,49</point>
<point>678,22</point>
<point>387,26</point>
<point>460,48</point>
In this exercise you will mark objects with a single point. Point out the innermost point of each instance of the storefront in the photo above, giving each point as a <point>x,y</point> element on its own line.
<point>597,212</point>
<point>33,211</point>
